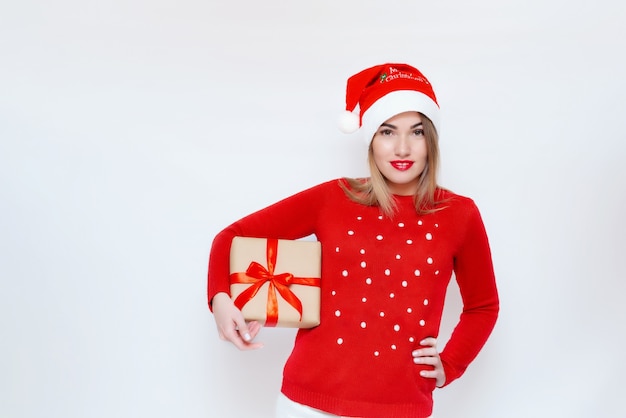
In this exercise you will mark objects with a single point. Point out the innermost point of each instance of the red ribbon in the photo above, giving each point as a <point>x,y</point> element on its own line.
<point>257,275</point>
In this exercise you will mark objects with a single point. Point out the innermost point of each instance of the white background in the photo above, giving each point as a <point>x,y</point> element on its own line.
<point>132,131</point>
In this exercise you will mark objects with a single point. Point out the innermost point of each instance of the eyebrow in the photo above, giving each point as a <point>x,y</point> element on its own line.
<point>388,125</point>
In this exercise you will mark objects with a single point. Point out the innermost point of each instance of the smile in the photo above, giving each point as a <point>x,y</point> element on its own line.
<point>402,165</point>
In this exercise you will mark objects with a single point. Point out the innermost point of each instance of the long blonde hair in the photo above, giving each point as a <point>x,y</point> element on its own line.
<point>374,191</point>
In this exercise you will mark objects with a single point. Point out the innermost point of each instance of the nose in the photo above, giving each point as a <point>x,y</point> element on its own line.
<point>402,148</point>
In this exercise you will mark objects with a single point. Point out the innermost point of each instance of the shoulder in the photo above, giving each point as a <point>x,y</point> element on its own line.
<point>322,191</point>
<point>323,186</point>
<point>327,186</point>
<point>461,210</point>
<point>447,198</point>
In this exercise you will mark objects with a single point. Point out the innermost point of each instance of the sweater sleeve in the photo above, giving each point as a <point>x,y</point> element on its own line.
<point>474,274</point>
<point>291,218</point>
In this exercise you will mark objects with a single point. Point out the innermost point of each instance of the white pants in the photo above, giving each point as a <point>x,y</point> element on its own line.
<point>286,408</point>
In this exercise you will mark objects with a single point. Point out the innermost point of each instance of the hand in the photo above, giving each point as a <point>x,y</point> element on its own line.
<point>430,356</point>
<point>231,326</point>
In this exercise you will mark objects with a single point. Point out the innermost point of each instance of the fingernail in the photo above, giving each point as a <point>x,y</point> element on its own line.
<point>247,337</point>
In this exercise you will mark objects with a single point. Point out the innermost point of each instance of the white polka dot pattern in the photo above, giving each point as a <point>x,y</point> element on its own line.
<point>380,273</point>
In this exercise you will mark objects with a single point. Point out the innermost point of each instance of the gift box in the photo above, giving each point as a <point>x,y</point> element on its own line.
<point>276,281</point>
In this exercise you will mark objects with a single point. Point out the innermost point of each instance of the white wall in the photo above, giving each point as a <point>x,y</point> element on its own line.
<point>132,131</point>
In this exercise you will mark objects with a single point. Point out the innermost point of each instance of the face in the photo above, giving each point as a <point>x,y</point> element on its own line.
<point>399,150</point>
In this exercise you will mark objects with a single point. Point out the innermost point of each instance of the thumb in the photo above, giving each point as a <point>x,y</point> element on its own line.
<point>242,328</point>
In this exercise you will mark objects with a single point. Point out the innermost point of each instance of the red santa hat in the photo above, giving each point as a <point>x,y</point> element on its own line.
<point>383,91</point>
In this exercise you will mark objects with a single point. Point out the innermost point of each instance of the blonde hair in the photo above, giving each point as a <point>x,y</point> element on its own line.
<point>374,191</point>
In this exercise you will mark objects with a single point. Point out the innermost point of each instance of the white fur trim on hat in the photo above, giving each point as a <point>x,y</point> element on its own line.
<point>394,103</point>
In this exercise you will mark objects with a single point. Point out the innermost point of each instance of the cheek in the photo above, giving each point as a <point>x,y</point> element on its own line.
<point>378,161</point>
<point>379,152</point>
<point>422,150</point>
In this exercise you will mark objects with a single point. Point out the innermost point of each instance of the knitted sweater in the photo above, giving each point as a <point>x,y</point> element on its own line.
<point>383,289</point>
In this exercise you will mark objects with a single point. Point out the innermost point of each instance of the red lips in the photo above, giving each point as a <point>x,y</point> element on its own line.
<point>401,165</point>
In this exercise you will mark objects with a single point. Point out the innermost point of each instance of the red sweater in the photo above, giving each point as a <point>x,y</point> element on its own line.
<point>383,288</point>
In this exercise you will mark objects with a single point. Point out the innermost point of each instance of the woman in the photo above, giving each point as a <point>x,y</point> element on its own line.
<point>390,244</point>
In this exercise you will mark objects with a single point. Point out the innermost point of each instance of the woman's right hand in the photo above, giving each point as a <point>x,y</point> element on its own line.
<point>231,326</point>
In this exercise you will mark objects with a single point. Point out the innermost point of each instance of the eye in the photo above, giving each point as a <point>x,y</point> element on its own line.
<point>385,132</point>
<point>418,132</point>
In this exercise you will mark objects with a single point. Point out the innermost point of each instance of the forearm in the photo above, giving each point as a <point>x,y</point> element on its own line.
<point>468,338</point>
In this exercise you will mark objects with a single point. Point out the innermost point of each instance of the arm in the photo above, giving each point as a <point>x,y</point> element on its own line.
<point>291,218</point>
<point>475,276</point>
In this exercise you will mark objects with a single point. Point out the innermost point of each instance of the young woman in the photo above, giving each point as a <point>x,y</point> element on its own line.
<point>390,244</point>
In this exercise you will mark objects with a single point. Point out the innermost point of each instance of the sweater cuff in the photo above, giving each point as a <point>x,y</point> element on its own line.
<point>451,373</point>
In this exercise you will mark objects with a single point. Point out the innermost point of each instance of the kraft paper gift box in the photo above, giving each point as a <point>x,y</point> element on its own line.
<point>276,281</point>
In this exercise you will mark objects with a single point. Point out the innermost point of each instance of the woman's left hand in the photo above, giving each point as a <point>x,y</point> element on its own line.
<point>430,356</point>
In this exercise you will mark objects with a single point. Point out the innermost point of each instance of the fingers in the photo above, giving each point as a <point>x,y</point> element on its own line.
<point>231,325</point>
<point>429,356</point>
<point>429,360</point>
<point>242,336</point>
<point>433,374</point>
<point>247,331</point>
<point>429,350</point>
<point>253,329</point>
<point>241,329</point>
<point>429,341</point>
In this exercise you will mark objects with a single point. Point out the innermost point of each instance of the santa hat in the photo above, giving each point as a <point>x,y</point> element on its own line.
<point>383,91</point>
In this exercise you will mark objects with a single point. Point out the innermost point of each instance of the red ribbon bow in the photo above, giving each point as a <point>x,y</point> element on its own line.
<point>257,275</point>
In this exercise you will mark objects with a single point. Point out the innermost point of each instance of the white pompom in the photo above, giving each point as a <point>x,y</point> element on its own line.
<point>348,122</point>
